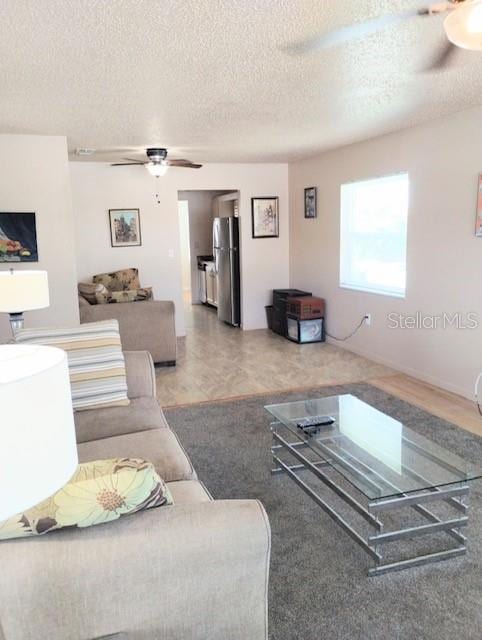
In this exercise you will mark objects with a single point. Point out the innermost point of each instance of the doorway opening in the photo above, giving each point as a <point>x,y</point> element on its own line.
<point>210,256</point>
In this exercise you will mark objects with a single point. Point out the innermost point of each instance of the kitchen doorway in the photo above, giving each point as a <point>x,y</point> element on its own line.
<point>209,236</point>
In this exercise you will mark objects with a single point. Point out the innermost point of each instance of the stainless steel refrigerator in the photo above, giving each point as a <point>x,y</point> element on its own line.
<point>226,264</point>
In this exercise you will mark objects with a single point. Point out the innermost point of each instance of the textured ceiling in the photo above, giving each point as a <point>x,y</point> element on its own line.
<point>209,79</point>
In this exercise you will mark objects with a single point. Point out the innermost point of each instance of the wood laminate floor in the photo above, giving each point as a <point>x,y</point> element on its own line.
<point>216,361</point>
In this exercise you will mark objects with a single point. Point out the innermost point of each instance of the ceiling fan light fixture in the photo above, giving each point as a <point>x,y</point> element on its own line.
<point>463,26</point>
<point>157,169</point>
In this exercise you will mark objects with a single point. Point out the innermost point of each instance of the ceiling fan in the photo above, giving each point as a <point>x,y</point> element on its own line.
<point>462,25</point>
<point>157,163</point>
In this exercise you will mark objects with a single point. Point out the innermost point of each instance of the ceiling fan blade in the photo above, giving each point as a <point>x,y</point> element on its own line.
<point>134,160</point>
<point>350,32</point>
<point>183,163</point>
<point>126,164</point>
<point>443,58</point>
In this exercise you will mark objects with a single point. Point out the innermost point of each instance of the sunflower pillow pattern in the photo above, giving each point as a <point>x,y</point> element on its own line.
<point>98,492</point>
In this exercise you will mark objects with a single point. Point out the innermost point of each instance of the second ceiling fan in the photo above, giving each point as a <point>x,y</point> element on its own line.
<point>462,25</point>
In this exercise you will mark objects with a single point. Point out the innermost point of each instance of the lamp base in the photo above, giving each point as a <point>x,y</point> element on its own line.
<point>16,322</point>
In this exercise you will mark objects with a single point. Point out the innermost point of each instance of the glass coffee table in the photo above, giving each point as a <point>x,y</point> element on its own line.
<point>376,465</point>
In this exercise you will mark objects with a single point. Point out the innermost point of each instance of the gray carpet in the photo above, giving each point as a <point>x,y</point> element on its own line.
<point>318,584</point>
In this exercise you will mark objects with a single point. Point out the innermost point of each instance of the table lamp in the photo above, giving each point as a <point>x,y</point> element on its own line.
<point>22,291</point>
<point>38,452</point>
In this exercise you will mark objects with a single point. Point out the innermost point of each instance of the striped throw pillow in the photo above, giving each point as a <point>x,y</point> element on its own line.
<point>96,362</point>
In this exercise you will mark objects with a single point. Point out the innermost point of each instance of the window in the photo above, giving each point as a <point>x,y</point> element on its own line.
<point>374,235</point>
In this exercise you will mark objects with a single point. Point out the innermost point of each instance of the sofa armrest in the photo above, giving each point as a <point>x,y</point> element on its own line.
<point>144,326</point>
<point>185,572</point>
<point>141,378</point>
<point>83,302</point>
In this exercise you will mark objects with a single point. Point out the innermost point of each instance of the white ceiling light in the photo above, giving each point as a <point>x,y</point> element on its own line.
<point>157,169</point>
<point>463,26</point>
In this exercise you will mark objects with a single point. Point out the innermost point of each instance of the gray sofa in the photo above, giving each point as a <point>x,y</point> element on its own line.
<point>144,326</point>
<point>196,570</point>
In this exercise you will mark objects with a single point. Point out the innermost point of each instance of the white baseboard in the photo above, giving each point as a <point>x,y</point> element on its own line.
<point>414,373</point>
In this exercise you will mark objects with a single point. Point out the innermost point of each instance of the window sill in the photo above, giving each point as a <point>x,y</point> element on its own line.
<point>378,292</point>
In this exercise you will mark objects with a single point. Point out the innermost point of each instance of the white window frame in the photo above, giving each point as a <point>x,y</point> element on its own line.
<point>344,282</point>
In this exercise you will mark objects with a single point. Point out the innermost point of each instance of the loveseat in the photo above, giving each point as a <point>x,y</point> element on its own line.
<point>148,325</point>
<point>196,570</point>
<point>145,324</point>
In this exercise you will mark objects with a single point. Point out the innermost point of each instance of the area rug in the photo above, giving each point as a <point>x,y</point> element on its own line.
<point>319,587</point>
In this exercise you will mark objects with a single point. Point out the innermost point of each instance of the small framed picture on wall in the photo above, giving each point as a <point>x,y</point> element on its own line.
<point>265,217</point>
<point>310,202</point>
<point>125,227</point>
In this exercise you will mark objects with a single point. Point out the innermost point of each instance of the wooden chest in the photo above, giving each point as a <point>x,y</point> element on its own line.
<point>305,307</point>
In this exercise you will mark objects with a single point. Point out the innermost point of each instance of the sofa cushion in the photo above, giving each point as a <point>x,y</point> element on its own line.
<point>159,446</point>
<point>141,415</point>
<point>99,491</point>
<point>188,492</point>
<point>119,280</point>
<point>96,362</point>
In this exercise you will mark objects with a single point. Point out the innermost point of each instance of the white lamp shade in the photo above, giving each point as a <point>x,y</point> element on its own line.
<point>463,25</point>
<point>23,291</point>
<point>157,169</point>
<point>38,452</point>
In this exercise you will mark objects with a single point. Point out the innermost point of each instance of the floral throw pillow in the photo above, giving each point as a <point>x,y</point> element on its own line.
<point>98,492</point>
<point>132,295</point>
<point>122,280</point>
<point>89,290</point>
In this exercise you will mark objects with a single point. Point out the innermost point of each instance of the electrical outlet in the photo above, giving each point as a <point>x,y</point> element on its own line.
<point>368,319</point>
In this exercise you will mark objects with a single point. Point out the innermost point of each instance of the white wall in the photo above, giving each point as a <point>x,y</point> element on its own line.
<point>444,258</point>
<point>34,176</point>
<point>98,187</point>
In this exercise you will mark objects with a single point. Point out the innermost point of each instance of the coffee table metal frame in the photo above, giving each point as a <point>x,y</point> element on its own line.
<point>455,495</point>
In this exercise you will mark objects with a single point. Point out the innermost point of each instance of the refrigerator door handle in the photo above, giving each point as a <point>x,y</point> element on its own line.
<point>231,270</point>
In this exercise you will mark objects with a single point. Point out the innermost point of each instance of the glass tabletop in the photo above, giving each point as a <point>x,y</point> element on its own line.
<point>376,453</point>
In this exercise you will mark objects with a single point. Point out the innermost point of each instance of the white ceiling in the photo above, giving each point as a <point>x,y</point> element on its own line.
<point>209,80</point>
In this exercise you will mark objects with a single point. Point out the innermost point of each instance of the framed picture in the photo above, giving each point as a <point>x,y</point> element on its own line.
<point>310,202</point>
<point>125,227</point>
<point>478,220</point>
<point>265,217</point>
<point>18,237</point>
